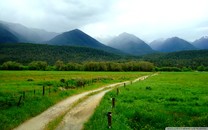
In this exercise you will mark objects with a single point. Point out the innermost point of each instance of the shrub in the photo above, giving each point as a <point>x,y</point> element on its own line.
<point>11,65</point>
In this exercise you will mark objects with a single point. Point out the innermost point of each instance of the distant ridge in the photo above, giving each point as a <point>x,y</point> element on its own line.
<point>201,43</point>
<point>26,35</point>
<point>6,36</point>
<point>130,44</point>
<point>78,38</point>
<point>172,45</point>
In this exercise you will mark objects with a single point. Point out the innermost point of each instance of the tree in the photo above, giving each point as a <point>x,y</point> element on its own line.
<point>11,65</point>
<point>38,65</point>
<point>60,65</point>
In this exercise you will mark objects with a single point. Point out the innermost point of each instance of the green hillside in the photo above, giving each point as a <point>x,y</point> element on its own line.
<point>26,53</point>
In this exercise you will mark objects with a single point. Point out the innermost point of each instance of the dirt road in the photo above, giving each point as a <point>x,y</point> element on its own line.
<point>75,119</point>
<point>40,121</point>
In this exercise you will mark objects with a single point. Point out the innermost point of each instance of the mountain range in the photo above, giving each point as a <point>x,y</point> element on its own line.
<point>122,44</point>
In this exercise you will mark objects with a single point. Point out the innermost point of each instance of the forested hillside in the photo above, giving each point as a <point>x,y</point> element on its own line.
<point>191,59</point>
<point>26,53</point>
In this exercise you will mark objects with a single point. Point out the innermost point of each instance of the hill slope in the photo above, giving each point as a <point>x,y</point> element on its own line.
<point>172,45</point>
<point>6,36</point>
<point>201,43</point>
<point>79,38</point>
<point>26,52</point>
<point>130,44</point>
<point>25,34</point>
<point>190,58</point>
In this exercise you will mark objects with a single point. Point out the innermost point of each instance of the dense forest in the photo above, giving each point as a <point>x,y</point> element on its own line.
<point>25,53</point>
<point>48,57</point>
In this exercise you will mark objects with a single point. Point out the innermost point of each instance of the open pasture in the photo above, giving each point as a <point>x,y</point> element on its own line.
<point>165,100</point>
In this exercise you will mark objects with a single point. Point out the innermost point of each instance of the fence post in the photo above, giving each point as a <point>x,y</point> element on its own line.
<point>19,100</point>
<point>113,102</point>
<point>109,119</point>
<point>124,85</point>
<point>34,92</point>
<point>43,90</point>
<point>131,82</point>
<point>117,91</point>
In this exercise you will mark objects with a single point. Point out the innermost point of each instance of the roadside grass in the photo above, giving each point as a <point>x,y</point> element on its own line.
<point>165,100</point>
<point>13,83</point>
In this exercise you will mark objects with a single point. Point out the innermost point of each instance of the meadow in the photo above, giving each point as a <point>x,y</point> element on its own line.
<point>22,95</point>
<point>169,99</point>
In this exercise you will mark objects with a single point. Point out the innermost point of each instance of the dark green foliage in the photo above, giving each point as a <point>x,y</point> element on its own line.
<point>175,69</point>
<point>26,53</point>
<point>189,59</point>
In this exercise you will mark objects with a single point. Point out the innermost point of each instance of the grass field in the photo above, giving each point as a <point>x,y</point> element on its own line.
<point>28,86</point>
<point>165,100</point>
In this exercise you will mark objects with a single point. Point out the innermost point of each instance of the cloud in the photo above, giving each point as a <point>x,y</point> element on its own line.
<point>147,19</point>
<point>54,15</point>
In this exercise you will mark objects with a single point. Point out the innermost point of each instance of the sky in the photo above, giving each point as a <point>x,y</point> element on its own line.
<point>103,19</point>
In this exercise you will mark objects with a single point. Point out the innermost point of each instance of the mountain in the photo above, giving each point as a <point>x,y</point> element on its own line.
<point>172,45</point>
<point>201,43</point>
<point>6,36</point>
<point>25,34</point>
<point>130,44</point>
<point>155,45</point>
<point>27,52</point>
<point>78,38</point>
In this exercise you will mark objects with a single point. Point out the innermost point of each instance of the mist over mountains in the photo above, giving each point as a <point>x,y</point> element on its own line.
<point>122,44</point>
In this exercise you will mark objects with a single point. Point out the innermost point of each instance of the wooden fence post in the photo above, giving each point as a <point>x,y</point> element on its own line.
<point>19,100</point>
<point>124,85</point>
<point>113,102</point>
<point>109,119</point>
<point>34,92</point>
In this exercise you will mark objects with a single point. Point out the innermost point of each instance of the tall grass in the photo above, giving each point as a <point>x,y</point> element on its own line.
<point>166,100</point>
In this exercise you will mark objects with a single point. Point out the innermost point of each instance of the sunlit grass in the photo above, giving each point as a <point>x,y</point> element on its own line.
<point>166,100</point>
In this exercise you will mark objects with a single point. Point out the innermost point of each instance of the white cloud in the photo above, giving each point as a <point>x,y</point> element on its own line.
<point>148,19</point>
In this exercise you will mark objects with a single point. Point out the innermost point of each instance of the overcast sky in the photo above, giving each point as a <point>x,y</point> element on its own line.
<point>147,19</point>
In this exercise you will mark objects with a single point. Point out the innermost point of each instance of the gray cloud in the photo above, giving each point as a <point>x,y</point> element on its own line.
<point>147,19</point>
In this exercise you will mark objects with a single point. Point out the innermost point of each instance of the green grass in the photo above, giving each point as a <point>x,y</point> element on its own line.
<point>165,100</point>
<point>13,83</point>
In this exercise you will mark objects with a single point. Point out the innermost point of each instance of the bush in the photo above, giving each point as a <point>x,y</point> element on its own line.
<point>11,65</point>
<point>38,65</point>
<point>201,68</point>
<point>175,69</point>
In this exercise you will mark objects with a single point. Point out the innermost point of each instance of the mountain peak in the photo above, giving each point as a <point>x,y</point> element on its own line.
<point>78,38</point>
<point>173,44</point>
<point>130,44</point>
<point>201,43</point>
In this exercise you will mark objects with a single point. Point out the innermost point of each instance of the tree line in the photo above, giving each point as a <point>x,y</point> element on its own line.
<point>95,66</point>
<point>86,66</point>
